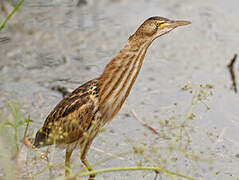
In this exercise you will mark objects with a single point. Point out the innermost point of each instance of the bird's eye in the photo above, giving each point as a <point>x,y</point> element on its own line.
<point>158,24</point>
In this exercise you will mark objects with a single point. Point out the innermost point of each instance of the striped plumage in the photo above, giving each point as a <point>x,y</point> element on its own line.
<point>77,119</point>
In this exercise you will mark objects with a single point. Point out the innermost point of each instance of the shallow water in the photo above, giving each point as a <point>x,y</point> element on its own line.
<point>52,43</point>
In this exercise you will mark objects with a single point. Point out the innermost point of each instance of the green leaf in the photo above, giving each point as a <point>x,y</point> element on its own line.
<point>8,124</point>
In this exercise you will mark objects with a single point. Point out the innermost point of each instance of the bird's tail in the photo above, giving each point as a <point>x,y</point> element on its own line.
<point>40,139</point>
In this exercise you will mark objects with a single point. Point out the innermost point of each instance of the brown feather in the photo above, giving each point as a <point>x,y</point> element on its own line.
<point>71,117</point>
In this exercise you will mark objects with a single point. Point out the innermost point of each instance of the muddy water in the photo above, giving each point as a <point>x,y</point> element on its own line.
<point>52,43</point>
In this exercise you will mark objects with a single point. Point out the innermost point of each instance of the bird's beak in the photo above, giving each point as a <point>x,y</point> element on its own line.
<point>174,24</point>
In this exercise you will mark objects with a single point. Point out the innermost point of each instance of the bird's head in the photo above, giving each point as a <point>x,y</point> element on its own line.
<point>157,26</point>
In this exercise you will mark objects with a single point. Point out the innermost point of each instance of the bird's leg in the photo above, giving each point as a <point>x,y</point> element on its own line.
<point>84,159</point>
<point>67,160</point>
<point>85,146</point>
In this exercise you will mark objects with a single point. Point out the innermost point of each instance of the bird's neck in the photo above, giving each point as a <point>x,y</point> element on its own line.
<point>119,76</point>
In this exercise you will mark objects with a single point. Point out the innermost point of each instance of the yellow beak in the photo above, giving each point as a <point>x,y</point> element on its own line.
<point>175,24</point>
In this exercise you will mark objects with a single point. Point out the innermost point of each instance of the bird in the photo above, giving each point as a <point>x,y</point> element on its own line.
<point>78,118</point>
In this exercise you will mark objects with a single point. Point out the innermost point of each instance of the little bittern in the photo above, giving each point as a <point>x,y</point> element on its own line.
<point>78,118</point>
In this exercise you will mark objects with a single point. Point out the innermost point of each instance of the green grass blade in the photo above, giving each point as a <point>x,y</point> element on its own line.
<point>10,15</point>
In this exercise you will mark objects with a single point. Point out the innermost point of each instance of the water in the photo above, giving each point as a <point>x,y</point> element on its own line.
<point>52,43</point>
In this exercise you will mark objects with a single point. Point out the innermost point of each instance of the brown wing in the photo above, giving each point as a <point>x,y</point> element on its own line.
<point>71,117</point>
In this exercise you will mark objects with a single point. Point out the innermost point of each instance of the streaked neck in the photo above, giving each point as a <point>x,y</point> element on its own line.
<point>119,76</point>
